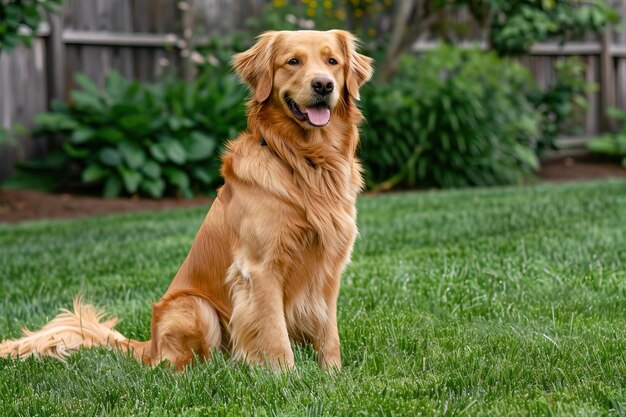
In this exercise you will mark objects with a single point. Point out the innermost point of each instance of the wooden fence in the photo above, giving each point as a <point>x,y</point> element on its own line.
<point>141,38</point>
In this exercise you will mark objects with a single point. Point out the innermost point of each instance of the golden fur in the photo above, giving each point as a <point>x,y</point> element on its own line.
<point>266,263</point>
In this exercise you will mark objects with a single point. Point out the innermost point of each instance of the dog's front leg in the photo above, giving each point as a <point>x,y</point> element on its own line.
<point>326,341</point>
<point>257,325</point>
<point>328,346</point>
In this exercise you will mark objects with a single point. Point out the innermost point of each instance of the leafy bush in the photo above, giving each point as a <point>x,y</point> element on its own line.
<point>517,25</point>
<point>19,20</point>
<point>132,138</point>
<point>451,118</point>
<point>612,144</point>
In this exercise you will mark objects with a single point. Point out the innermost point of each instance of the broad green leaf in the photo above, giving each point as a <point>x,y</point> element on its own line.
<point>152,170</point>
<point>86,83</point>
<point>131,179</point>
<point>110,157</point>
<point>132,154</point>
<point>81,135</point>
<point>54,122</point>
<point>115,85</point>
<point>186,192</point>
<point>199,146</point>
<point>153,187</point>
<point>157,152</point>
<point>177,177</point>
<point>174,150</point>
<point>175,123</point>
<point>87,102</point>
<point>94,172</point>
<point>112,187</point>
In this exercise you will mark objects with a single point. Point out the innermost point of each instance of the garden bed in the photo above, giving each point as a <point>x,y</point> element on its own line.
<point>21,205</point>
<point>580,168</point>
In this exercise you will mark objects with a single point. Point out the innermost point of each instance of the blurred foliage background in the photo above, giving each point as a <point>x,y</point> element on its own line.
<point>457,115</point>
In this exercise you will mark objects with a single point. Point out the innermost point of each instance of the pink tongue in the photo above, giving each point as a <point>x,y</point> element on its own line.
<point>319,116</point>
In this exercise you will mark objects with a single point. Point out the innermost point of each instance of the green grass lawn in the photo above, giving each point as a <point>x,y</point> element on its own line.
<point>507,301</point>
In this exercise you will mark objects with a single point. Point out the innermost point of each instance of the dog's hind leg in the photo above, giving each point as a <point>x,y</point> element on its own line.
<point>182,327</point>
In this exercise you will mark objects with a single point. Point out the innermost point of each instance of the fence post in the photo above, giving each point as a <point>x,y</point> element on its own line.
<point>607,80</point>
<point>55,57</point>
<point>620,62</point>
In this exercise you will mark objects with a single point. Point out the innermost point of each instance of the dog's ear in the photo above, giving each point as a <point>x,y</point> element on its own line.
<point>358,67</point>
<point>256,66</point>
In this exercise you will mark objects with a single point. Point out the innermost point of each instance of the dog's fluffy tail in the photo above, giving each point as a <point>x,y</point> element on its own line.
<point>66,333</point>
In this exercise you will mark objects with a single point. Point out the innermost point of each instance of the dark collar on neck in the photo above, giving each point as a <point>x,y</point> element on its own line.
<point>262,142</point>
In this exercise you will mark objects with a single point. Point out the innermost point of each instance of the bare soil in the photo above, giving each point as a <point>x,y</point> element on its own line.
<point>580,169</point>
<point>22,205</point>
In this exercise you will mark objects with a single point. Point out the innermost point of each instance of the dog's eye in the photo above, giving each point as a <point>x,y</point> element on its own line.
<point>293,61</point>
<point>332,61</point>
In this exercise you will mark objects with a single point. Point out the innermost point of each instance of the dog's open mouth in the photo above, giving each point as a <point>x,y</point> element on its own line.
<point>317,115</point>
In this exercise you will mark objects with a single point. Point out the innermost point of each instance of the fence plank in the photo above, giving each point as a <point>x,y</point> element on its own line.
<point>591,117</point>
<point>620,74</point>
<point>607,80</point>
<point>22,81</point>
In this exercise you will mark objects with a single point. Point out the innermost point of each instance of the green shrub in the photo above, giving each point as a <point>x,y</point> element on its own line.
<point>516,26</point>
<point>451,118</point>
<point>19,20</point>
<point>612,144</point>
<point>130,138</point>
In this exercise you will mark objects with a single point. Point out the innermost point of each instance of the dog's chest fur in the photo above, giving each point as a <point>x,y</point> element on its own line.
<point>304,225</point>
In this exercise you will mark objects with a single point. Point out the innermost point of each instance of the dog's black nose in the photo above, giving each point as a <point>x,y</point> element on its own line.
<point>323,85</point>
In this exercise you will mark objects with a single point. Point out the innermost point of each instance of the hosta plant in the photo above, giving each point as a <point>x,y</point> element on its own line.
<point>131,138</point>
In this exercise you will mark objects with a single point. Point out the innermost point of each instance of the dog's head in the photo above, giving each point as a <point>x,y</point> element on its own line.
<point>305,73</point>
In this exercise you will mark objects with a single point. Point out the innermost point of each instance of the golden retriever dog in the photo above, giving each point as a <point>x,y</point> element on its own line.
<point>265,267</point>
